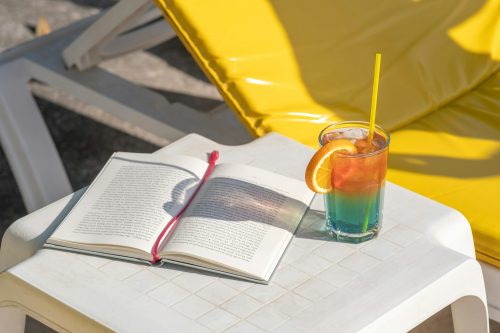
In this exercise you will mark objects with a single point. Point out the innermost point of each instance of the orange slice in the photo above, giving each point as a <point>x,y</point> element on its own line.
<point>318,171</point>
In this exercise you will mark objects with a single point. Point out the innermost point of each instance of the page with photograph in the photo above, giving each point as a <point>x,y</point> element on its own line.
<point>242,219</point>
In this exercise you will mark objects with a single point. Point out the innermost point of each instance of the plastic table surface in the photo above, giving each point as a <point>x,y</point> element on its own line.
<point>392,283</point>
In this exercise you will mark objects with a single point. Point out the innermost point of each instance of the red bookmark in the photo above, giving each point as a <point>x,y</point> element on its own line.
<point>214,156</point>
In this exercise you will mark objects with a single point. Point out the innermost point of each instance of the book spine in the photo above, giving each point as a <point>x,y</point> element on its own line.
<point>214,156</point>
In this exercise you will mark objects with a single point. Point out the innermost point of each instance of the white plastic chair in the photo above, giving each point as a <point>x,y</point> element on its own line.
<point>422,262</point>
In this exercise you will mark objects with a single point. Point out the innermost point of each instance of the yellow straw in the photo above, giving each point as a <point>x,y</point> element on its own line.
<point>373,111</point>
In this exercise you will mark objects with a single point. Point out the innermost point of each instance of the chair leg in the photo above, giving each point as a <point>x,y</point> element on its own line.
<point>26,141</point>
<point>470,315</point>
<point>12,320</point>
<point>108,36</point>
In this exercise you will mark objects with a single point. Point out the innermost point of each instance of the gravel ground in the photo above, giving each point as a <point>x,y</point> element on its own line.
<point>85,135</point>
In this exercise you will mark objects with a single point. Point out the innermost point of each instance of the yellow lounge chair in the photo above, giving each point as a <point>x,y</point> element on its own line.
<point>295,66</point>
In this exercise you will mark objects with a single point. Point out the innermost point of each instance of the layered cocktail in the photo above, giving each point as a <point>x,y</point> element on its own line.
<point>353,178</point>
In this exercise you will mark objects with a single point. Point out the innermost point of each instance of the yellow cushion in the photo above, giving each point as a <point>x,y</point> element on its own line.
<point>295,66</point>
<point>453,156</point>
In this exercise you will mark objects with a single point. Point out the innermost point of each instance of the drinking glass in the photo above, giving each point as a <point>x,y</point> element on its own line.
<point>354,206</point>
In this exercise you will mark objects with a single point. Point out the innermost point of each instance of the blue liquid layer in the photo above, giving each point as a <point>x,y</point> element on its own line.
<point>354,217</point>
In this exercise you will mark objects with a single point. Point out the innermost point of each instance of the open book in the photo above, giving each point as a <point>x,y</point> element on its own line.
<point>239,222</point>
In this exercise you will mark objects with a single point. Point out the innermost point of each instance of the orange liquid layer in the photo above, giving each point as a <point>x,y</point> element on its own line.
<point>358,173</point>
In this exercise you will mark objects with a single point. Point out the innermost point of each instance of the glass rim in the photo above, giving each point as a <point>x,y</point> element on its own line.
<point>366,124</point>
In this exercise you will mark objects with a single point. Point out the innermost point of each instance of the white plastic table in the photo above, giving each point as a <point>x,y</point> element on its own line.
<point>422,261</point>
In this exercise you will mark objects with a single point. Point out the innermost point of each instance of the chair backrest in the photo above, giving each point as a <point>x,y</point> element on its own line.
<point>294,66</point>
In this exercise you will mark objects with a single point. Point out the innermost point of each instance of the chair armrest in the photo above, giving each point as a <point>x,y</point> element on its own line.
<point>28,234</point>
<point>445,225</point>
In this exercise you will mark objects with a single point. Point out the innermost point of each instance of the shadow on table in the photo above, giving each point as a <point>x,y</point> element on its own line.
<point>313,226</point>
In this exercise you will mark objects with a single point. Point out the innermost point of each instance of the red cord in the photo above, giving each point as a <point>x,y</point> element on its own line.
<point>214,156</point>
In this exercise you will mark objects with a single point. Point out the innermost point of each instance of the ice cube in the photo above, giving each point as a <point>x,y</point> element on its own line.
<point>355,133</point>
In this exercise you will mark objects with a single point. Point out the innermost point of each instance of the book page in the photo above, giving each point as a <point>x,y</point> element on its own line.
<point>131,200</point>
<point>242,218</point>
